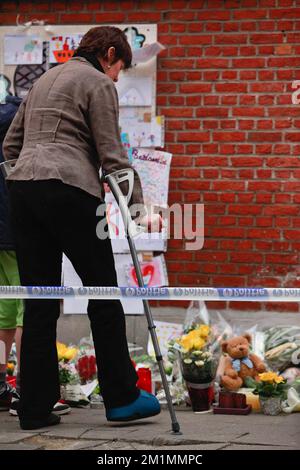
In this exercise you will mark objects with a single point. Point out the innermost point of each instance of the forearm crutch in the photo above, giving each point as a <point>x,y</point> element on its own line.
<point>131,228</point>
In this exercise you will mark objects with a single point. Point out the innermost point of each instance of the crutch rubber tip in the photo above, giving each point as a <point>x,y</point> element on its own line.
<point>176,429</point>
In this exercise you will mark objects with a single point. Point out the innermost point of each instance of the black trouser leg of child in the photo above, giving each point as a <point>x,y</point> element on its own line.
<point>49,218</point>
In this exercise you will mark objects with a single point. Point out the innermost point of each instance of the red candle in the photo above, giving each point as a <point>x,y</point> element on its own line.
<point>144,382</point>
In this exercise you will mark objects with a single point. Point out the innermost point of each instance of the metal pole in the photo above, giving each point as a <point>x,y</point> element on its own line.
<point>114,179</point>
<point>151,328</point>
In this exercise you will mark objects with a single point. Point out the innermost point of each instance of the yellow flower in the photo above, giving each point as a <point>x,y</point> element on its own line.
<point>186,343</point>
<point>70,353</point>
<point>279,379</point>
<point>64,352</point>
<point>61,349</point>
<point>192,340</point>
<point>10,366</point>
<point>199,343</point>
<point>204,330</point>
<point>271,377</point>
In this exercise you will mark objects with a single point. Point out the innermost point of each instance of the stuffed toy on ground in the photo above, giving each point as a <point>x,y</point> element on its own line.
<point>240,363</point>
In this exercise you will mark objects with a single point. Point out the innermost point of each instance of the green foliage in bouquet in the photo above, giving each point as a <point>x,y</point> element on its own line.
<point>67,374</point>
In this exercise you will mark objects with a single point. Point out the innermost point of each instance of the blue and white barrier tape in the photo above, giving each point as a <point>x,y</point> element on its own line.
<point>153,293</point>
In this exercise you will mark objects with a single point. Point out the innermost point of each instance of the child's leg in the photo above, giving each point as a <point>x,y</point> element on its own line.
<point>8,309</point>
<point>7,336</point>
<point>18,338</point>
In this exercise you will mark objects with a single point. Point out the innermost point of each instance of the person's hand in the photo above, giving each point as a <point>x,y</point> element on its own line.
<point>153,222</point>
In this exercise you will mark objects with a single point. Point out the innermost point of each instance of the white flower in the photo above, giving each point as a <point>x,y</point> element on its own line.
<point>187,361</point>
<point>207,354</point>
<point>199,363</point>
<point>197,353</point>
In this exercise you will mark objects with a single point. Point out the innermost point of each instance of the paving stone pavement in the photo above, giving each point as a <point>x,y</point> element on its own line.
<point>88,429</point>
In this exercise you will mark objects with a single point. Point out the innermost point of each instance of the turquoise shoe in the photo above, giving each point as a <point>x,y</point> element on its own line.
<point>144,406</point>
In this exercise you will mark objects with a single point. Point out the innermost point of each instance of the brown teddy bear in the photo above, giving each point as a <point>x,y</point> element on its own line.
<point>239,364</point>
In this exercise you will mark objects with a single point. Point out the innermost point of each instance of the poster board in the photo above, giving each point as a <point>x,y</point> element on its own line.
<point>154,273</point>
<point>44,47</point>
<point>20,77</point>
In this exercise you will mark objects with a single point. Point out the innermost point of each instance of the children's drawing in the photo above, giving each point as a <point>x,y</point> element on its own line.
<point>63,47</point>
<point>22,49</point>
<point>134,91</point>
<point>153,167</point>
<point>154,273</point>
<point>165,333</point>
<point>22,61</point>
<point>135,39</point>
<point>126,144</point>
<point>141,133</point>
<point>25,75</point>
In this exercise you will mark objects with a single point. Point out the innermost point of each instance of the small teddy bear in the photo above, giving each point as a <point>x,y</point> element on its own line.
<point>239,364</point>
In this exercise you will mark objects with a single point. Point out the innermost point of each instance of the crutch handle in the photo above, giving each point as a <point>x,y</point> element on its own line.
<point>114,180</point>
<point>7,167</point>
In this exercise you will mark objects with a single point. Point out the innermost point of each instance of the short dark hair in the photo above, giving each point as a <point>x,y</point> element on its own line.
<point>99,39</point>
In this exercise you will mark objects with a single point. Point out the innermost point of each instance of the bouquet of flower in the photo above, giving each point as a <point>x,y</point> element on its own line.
<point>270,385</point>
<point>198,363</point>
<point>66,364</point>
<point>86,367</point>
<point>67,373</point>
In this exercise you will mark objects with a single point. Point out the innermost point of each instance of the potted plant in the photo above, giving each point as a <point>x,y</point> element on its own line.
<point>271,389</point>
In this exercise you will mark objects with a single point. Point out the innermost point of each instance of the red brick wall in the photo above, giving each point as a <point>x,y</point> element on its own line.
<point>224,85</point>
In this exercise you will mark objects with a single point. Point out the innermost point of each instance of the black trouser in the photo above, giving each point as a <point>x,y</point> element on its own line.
<point>49,218</point>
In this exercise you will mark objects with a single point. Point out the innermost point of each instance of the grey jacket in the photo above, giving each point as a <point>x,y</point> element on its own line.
<point>67,128</point>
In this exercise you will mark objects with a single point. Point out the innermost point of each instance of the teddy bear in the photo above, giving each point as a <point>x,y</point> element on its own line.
<point>239,363</point>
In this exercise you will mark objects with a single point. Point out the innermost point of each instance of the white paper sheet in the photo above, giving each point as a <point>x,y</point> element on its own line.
<point>146,53</point>
<point>70,278</point>
<point>134,91</point>
<point>153,167</point>
<point>154,271</point>
<point>141,133</point>
<point>165,332</point>
<point>88,388</point>
<point>22,49</point>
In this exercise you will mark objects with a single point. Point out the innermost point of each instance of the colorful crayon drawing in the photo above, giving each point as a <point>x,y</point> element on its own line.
<point>135,39</point>
<point>22,49</point>
<point>63,47</point>
<point>135,91</point>
<point>142,133</point>
<point>126,144</point>
<point>153,167</point>
<point>154,273</point>
<point>165,333</point>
